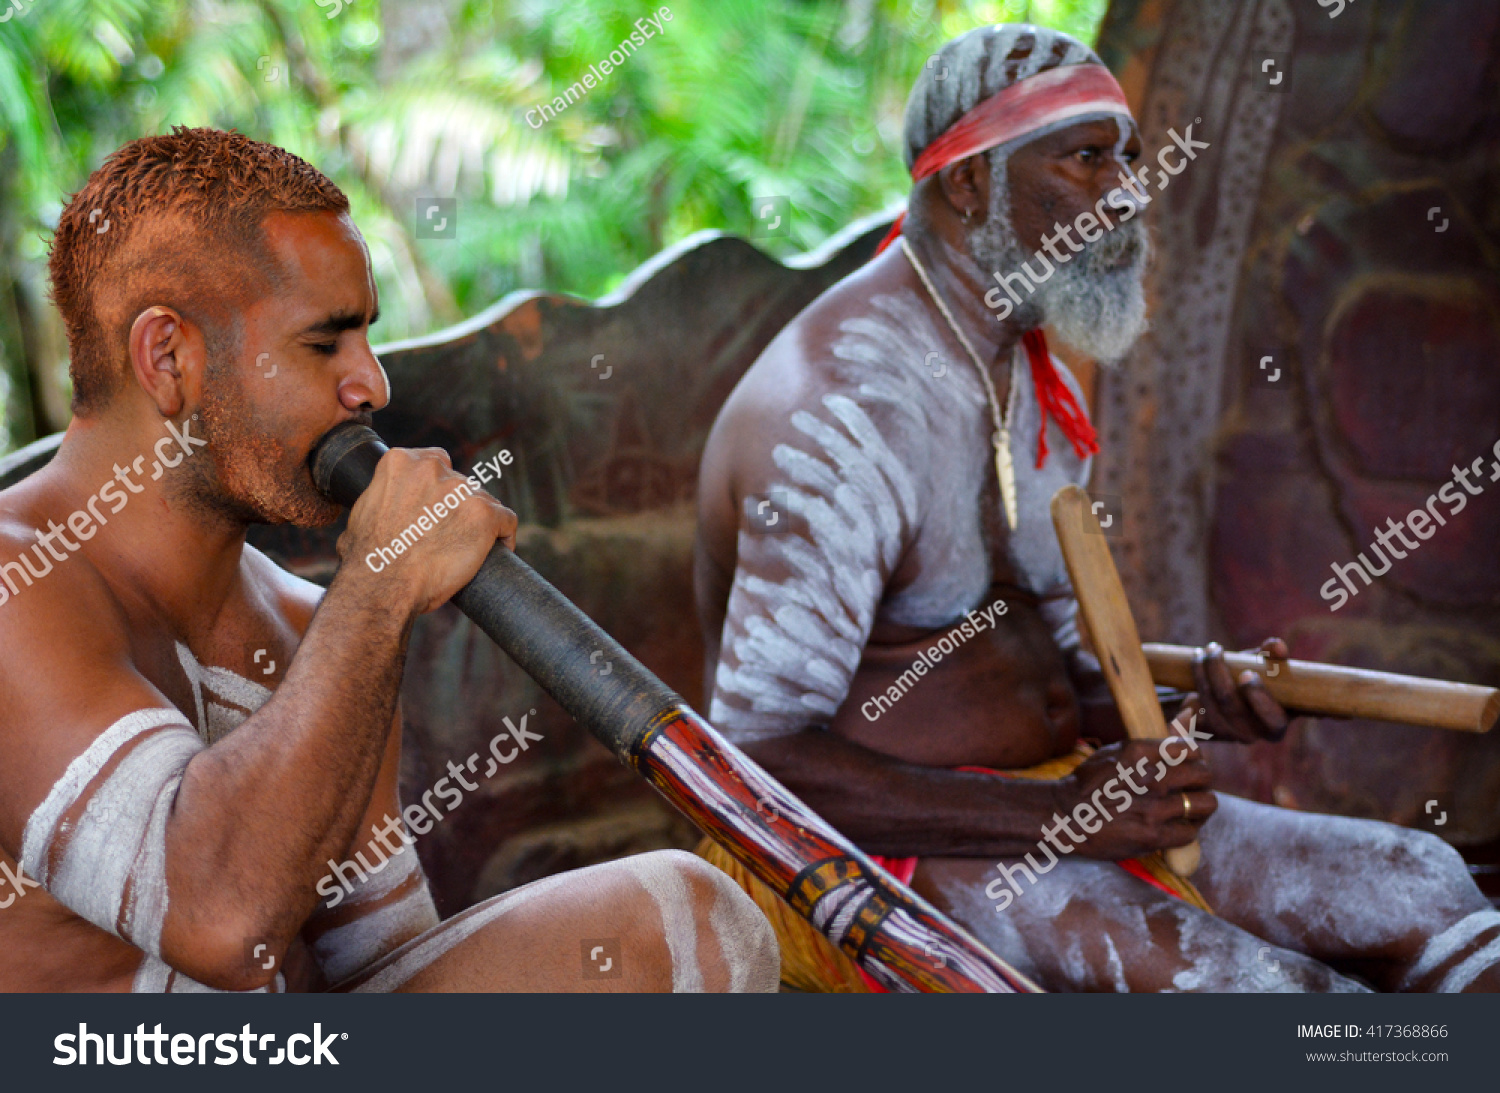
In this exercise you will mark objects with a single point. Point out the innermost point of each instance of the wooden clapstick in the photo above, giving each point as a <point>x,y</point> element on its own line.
<point>1346,692</point>
<point>1111,627</point>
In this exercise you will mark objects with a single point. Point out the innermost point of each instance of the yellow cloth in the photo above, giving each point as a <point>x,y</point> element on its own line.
<point>809,961</point>
<point>813,964</point>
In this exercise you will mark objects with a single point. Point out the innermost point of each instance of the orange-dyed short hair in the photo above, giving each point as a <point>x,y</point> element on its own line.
<point>171,220</point>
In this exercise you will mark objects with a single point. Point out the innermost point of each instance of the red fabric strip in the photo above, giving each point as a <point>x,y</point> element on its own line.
<point>1069,91</point>
<point>1054,397</point>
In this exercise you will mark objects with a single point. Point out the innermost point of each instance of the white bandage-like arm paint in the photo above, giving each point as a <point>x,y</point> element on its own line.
<point>109,864</point>
<point>345,950</point>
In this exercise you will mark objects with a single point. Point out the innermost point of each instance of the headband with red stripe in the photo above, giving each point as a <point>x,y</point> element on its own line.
<point>1037,103</point>
<point>1027,106</point>
<point>1031,106</point>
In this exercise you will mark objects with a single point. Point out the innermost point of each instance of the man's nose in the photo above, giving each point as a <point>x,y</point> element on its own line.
<point>366,386</point>
<point>1126,198</point>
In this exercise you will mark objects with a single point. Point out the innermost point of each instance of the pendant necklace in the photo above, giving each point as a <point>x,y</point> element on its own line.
<point>1005,469</point>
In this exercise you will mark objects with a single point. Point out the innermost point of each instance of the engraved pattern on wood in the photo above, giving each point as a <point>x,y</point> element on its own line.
<point>1158,414</point>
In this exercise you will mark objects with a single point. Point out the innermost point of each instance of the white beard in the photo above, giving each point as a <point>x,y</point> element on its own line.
<point>1096,302</point>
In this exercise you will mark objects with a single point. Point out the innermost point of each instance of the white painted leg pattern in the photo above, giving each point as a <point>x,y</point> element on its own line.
<point>1445,946</point>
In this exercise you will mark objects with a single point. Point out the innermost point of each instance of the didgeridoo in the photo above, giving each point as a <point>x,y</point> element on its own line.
<point>901,940</point>
<point>1346,692</point>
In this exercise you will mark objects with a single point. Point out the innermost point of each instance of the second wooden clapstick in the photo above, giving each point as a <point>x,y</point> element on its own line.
<point>1337,691</point>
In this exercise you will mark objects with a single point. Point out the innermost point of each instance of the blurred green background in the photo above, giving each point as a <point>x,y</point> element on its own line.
<point>732,101</point>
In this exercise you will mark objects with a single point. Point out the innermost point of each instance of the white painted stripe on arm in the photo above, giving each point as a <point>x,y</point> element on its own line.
<point>123,824</point>
<point>793,644</point>
<point>38,833</point>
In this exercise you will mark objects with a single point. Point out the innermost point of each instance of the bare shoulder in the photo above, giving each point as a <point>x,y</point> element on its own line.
<point>68,671</point>
<point>856,342</point>
<point>51,602</point>
<point>293,599</point>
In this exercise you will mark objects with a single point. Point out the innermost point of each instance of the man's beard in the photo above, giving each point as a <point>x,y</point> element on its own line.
<point>250,477</point>
<point>1096,302</point>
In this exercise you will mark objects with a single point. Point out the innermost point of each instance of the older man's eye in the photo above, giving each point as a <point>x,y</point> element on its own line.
<point>328,349</point>
<point>1088,155</point>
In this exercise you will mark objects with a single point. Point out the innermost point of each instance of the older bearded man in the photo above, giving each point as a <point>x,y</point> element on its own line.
<point>891,630</point>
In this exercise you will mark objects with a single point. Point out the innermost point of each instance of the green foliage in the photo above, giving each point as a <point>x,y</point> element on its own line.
<point>731,101</point>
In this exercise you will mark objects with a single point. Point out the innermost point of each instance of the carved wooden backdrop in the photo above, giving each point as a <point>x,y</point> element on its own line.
<point>1345,225</point>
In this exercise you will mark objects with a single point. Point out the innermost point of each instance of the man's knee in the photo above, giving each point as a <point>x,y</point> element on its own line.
<point>1461,949</point>
<point>1420,861</point>
<point>718,938</point>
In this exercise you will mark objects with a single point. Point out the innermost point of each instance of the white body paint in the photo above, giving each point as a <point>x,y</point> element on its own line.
<point>109,865</point>
<point>896,462</point>
<point>669,891</point>
<point>749,946</point>
<point>1448,948</point>
<point>345,950</point>
<point>1287,884</point>
<point>116,848</point>
<point>223,699</point>
<point>420,954</point>
<point>744,937</point>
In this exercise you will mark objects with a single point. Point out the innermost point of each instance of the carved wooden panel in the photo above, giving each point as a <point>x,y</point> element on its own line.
<point>1367,185</point>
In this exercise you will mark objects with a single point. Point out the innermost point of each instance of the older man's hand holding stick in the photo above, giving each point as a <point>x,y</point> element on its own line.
<point>1132,669</point>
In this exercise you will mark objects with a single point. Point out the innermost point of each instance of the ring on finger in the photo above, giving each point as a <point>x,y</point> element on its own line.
<point>1187,807</point>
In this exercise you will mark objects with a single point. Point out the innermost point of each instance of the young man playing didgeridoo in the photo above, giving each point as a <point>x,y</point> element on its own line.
<point>908,617</point>
<point>170,810</point>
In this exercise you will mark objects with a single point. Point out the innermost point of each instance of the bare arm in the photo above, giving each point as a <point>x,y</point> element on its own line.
<point>375,897</point>
<point>902,810</point>
<point>255,818</point>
